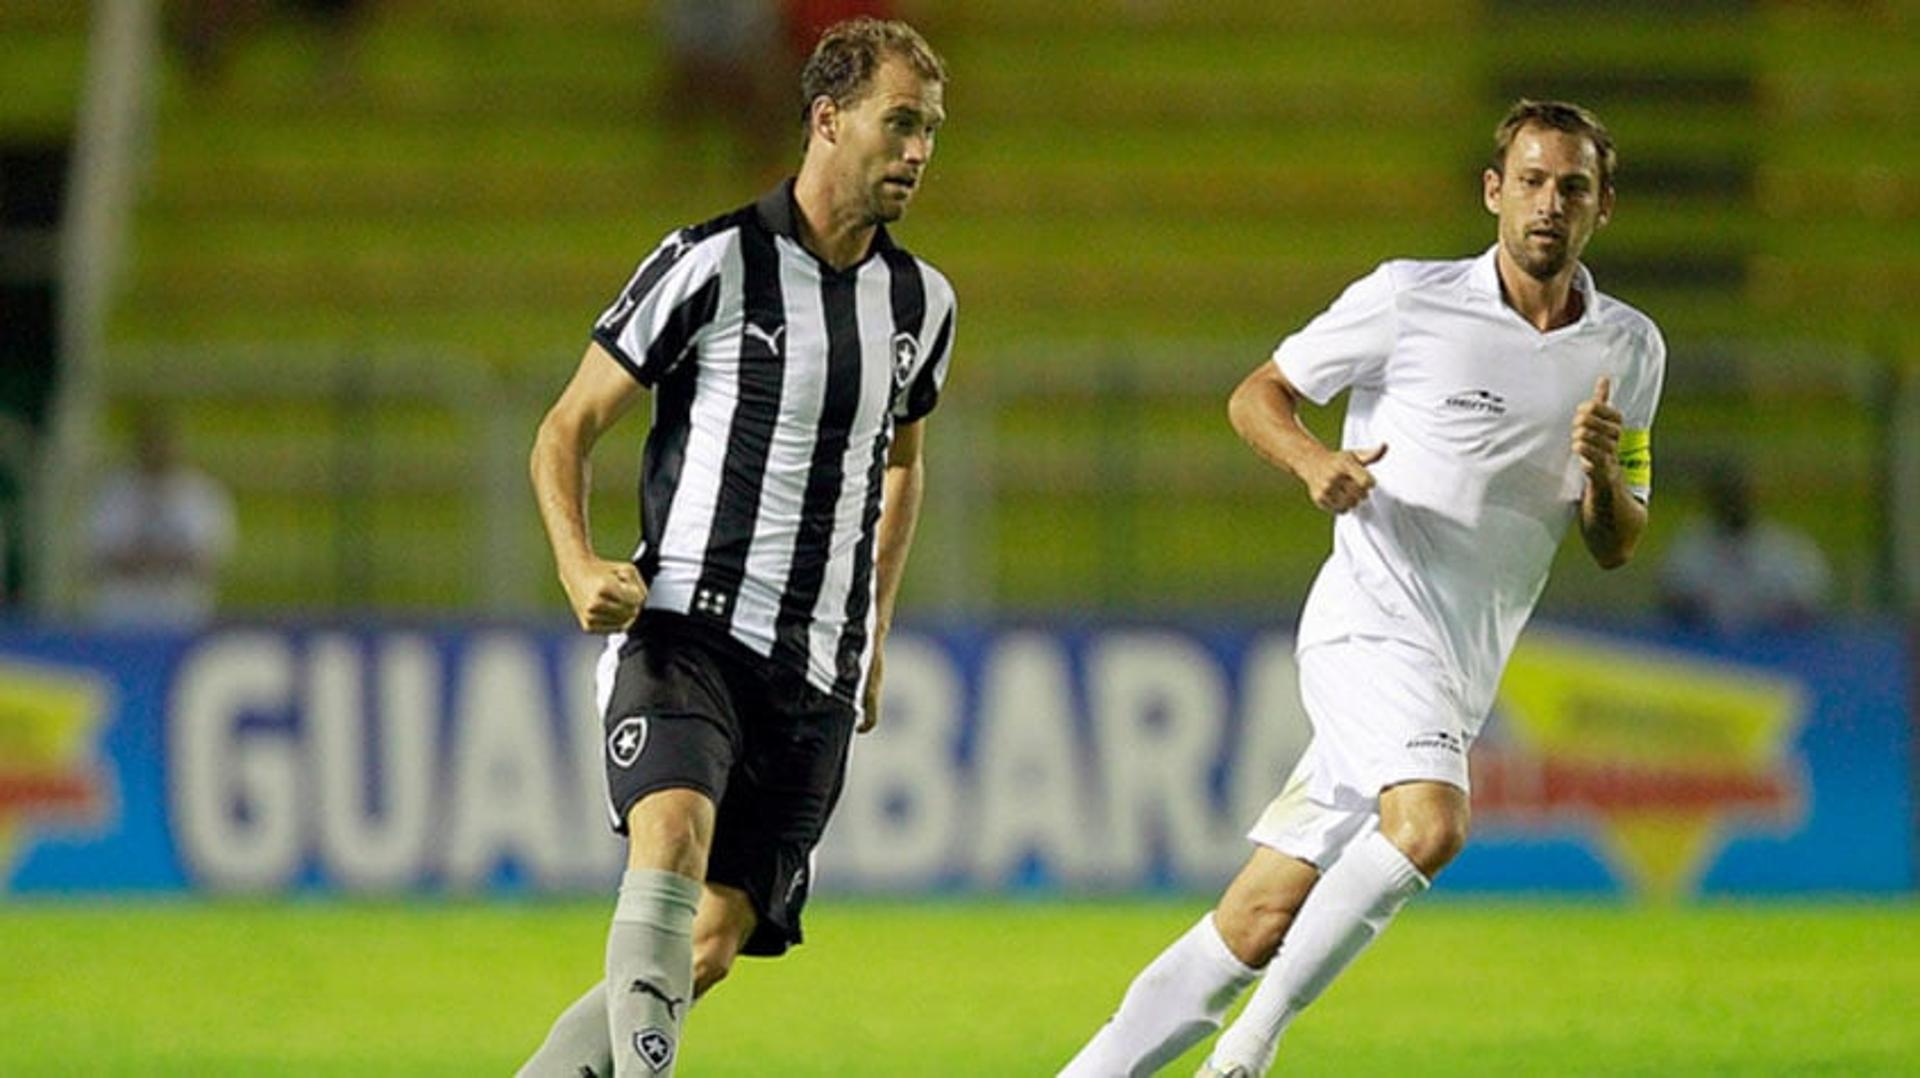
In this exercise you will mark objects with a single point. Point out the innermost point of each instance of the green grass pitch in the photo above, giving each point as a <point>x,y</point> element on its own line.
<point>953,988</point>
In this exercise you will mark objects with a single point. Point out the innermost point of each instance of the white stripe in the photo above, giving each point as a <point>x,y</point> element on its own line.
<point>716,394</point>
<point>604,670</point>
<point>776,529</point>
<point>873,302</point>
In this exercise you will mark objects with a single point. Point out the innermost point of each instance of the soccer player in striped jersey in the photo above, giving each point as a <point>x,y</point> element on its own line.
<point>1492,402</point>
<point>793,350</point>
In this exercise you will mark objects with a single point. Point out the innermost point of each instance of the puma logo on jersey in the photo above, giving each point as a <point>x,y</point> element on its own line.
<point>771,340</point>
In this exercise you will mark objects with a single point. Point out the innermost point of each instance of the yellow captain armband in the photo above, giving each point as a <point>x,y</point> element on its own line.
<point>1636,458</point>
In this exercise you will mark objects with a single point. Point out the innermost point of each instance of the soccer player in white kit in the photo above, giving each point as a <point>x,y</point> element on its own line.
<point>1492,401</point>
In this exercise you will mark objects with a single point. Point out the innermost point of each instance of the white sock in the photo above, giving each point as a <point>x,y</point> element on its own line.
<point>650,970</point>
<point>1171,1006</point>
<point>1350,905</point>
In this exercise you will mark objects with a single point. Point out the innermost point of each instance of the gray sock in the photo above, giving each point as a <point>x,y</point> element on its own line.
<point>650,970</point>
<point>577,1045</point>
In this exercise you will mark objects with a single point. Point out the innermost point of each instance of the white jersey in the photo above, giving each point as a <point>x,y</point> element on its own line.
<point>1452,548</point>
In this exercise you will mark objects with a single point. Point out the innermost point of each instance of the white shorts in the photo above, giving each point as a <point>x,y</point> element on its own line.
<point>1383,712</point>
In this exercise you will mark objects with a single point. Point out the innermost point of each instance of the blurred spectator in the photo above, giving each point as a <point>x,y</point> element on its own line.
<point>205,31</point>
<point>727,69</point>
<point>806,20</point>
<point>159,533</point>
<point>1732,573</point>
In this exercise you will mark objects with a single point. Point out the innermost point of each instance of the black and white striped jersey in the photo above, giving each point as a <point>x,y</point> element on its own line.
<point>777,383</point>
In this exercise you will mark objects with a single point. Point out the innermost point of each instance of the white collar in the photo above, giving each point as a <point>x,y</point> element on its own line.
<point>1485,278</point>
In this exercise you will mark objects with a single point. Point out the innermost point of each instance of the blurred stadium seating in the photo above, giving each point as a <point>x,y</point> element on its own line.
<point>373,283</point>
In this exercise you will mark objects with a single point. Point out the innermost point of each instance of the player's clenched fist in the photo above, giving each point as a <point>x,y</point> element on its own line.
<point>606,595</point>
<point>1596,434</point>
<point>1339,481</point>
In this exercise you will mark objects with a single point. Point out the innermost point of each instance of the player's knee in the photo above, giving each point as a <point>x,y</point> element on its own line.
<point>1430,840</point>
<point>667,848</point>
<point>670,830</point>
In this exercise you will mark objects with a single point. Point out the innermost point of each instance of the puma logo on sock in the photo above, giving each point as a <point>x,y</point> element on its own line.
<point>646,987</point>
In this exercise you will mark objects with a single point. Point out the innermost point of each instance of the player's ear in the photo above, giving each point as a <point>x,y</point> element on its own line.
<point>1606,208</point>
<point>1490,191</point>
<point>823,119</point>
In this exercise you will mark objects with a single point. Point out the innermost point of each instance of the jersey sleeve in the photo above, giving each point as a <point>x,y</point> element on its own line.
<point>919,392</point>
<point>1639,400</point>
<point>1347,344</point>
<point>659,317</point>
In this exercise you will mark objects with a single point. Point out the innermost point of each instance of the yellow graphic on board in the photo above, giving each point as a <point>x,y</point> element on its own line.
<point>50,719</point>
<point>1655,752</point>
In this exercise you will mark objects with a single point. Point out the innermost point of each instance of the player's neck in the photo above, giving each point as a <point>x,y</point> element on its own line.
<point>1546,305</point>
<point>838,236</point>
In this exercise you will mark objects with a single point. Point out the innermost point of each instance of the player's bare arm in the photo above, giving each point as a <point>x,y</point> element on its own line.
<point>1611,518</point>
<point>905,484</point>
<point>605,595</point>
<point>1265,411</point>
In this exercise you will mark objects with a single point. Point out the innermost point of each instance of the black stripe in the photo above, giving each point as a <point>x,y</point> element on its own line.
<point>853,636</point>
<point>686,319</point>
<point>651,273</point>
<point>614,320</point>
<point>908,292</point>
<point>750,437</point>
<point>693,313</point>
<point>925,391</point>
<point>660,467</point>
<point>909,295</point>
<point>824,475</point>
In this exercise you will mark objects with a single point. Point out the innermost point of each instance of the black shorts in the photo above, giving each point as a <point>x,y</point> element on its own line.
<point>692,708</point>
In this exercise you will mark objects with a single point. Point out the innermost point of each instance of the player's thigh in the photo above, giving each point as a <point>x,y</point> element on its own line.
<point>1304,825</point>
<point>671,830</point>
<point>795,768</point>
<point>1384,712</point>
<point>671,744</point>
<point>792,767</point>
